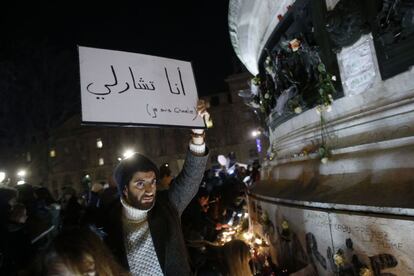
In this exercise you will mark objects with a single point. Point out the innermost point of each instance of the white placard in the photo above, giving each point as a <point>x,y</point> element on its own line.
<point>121,88</point>
<point>358,70</point>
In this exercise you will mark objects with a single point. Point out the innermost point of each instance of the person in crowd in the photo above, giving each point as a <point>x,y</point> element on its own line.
<point>47,208</point>
<point>78,251</point>
<point>165,177</point>
<point>71,209</point>
<point>232,258</point>
<point>110,193</point>
<point>39,222</point>
<point>198,226</point>
<point>27,197</point>
<point>143,229</point>
<point>94,198</point>
<point>196,222</point>
<point>15,245</point>
<point>236,258</point>
<point>8,198</point>
<point>93,207</point>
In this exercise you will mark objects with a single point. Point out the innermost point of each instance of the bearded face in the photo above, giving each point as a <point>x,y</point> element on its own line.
<point>141,190</point>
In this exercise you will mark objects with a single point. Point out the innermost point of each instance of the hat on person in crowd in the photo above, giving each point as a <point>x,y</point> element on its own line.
<point>127,167</point>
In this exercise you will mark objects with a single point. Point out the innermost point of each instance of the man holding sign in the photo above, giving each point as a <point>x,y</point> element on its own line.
<point>144,228</point>
<point>119,88</point>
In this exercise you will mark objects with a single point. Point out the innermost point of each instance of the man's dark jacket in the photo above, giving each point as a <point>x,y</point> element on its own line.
<point>163,219</point>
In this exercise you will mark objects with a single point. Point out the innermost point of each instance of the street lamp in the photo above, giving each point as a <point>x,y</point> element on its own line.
<point>256,133</point>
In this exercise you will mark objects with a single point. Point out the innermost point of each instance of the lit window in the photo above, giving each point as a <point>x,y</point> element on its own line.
<point>101,161</point>
<point>99,143</point>
<point>52,153</point>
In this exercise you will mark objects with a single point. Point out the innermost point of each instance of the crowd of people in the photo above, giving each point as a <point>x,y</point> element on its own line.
<point>140,224</point>
<point>65,236</point>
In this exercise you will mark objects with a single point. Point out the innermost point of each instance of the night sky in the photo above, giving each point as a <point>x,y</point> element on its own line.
<point>39,73</point>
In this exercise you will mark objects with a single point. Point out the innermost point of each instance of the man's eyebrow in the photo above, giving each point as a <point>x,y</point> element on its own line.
<point>143,179</point>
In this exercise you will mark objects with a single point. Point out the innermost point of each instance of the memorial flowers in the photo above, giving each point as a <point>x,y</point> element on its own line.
<point>294,79</point>
<point>294,44</point>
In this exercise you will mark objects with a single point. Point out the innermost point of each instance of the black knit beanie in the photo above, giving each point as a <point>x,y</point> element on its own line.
<point>127,167</point>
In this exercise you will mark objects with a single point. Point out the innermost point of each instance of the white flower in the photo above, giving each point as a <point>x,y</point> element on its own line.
<point>330,97</point>
<point>339,259</point>
<point>269,70</point>
<point>254,104</point>
<point>266,96</point>
<point>328,108</point>
<point>294,44</point>
<point>324,160</point>
<point>298,110</point>
<point>319,109</point>
<point>333,78</point>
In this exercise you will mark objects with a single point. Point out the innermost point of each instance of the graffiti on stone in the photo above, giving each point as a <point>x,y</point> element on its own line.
<point>330,243</point>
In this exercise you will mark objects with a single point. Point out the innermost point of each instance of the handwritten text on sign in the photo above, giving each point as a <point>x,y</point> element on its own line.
<point>129,88</point>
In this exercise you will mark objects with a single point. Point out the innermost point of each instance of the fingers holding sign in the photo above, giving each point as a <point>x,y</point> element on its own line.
<point>203,113</point>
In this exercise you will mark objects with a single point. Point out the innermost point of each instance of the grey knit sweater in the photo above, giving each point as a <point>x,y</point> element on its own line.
<point>140,251</point>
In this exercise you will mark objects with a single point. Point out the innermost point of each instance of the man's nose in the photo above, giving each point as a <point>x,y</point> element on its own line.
<point>148,187</point>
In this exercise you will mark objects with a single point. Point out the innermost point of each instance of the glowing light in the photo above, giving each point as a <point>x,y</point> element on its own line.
<point>2,176</point>
<point>99,143</point>
<point>52,153</point>
<point>20,182</point>
<point>101,161</point>
<point>256,133</point>
<point>222,160</point>
<point>21,173</point>
<point>246,215</point>
<point>258,241</point>
<point>247,235</point>
<point>239,215</point>
<point>128,153</point>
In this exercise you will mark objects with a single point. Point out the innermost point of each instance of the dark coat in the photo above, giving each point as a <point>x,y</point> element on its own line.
<point>164,220</point>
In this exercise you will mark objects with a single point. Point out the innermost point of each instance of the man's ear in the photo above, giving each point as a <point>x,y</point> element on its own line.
<point>125,191</point>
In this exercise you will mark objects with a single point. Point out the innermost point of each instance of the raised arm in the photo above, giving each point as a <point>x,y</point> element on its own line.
<point>185,186</point>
